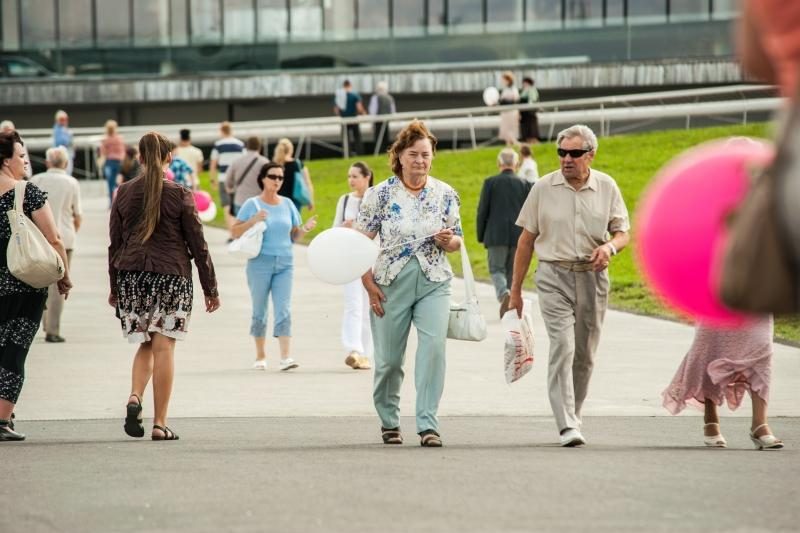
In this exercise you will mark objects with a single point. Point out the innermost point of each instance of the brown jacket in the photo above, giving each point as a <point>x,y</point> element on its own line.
<point>177,239</point>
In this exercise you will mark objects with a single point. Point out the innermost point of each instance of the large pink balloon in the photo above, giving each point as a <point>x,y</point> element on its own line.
<point>681,224</point>
<point>202,200</point>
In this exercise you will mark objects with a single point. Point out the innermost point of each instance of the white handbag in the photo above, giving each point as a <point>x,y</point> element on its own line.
<point>466,321</point>
<point>248,245</point>
<point>31,259</point>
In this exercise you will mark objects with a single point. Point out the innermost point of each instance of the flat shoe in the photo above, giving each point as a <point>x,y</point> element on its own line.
<point>9,435</point>
<point>168,433</point>
<point>133,420</point>
<point>391,436</point>
<point>430,439</point>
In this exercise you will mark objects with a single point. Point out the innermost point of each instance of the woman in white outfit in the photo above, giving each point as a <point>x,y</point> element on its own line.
<point>509,120</point>
<point>356,332</point>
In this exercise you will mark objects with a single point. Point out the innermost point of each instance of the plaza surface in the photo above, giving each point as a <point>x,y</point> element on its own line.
<point>300,451</point>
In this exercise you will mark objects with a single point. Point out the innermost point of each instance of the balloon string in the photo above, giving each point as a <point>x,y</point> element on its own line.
<point>413,241</point>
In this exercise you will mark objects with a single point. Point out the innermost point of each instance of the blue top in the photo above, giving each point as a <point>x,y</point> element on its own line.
<point>62,136</point>
<point>280,221</point>
<point>350,109</point>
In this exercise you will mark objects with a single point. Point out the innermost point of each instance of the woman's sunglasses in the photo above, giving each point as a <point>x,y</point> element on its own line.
<point>275,176</point>
<point>574,154</point>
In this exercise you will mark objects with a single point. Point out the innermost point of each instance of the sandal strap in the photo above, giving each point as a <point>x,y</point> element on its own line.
<point>755,430</point>
<point>711,424</point>
<point>139,398</point>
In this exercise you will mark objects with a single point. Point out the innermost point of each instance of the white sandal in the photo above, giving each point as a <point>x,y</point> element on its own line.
<point>714,441</point>
<point>765,442</point>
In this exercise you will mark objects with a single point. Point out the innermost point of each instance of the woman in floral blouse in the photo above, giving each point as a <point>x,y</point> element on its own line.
<point>417,219</point>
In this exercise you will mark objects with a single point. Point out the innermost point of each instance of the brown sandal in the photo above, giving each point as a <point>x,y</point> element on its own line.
<point>392,436</point>
<point>430,439</point>
<point>168,433</point>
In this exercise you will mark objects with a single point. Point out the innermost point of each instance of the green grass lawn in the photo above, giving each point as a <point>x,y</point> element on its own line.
<point>632,160</point>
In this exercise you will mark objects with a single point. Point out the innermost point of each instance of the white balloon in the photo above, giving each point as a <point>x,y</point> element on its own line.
<point>341,255</point>
<point>209,214</point>
<point>491,96</point>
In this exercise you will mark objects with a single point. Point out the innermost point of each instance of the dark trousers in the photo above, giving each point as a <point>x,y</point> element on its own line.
<point>354,139</point>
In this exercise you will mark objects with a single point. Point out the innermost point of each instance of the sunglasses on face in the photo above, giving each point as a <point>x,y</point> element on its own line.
<point>574,154</point>
<point>275,177</point>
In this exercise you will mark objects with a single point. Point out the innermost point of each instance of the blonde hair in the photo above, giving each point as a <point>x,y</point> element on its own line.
<point>111,127</point>
<point>283,151</point>
<point>413,132</point>
<point>154,150</point>
<point>225,128</point>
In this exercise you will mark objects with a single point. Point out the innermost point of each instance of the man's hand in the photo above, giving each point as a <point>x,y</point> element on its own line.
<point>600,258</point>
<point>515,302</point>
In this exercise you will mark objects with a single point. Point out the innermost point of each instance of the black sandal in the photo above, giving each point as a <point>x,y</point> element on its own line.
<point>11,422</point>
<point>168,433</point>
<point>133,421</point>
<point>391,436</point>
<point>430,439</point>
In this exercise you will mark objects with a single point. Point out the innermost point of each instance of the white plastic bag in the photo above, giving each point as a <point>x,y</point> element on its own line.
<point>518,352</point>
<point>248,245</point>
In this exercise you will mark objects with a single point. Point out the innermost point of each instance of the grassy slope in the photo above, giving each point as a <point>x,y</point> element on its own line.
<point>631,159</point>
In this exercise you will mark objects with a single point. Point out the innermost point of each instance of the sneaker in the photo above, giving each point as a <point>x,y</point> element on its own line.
<point>260,364</point>
<point>288,364</point>
<point>571,438</point>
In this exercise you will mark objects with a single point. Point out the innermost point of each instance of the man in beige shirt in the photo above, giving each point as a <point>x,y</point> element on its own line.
<point>64,197</point>
<point>191,154</point>
<point>576,221</point>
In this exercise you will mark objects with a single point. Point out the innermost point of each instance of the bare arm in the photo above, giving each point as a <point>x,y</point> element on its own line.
<point>212,172</point>
<point>43,218</point>
<point>522,262</point>
<point>76,220</point>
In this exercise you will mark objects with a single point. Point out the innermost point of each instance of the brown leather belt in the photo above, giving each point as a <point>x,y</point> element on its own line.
<point>572,266</point>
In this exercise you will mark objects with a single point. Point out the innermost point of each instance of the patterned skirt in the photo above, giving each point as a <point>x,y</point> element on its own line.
<point>20,314</point>
<point>153,303</point>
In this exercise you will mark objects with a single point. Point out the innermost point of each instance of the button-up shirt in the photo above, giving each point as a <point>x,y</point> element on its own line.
<point>399,217</point>
<point>570,224</point>
<point>64,196</point>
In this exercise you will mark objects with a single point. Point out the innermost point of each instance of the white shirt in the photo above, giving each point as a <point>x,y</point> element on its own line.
<point>349,211</point>
<point>64,197</point>
<point>225,152</point>
<point>529,170</point>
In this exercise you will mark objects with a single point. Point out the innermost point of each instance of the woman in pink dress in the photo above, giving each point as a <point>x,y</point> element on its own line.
<point>722,365</point>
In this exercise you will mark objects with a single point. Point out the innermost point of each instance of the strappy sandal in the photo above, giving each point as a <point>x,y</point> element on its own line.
<point>11,422</point>
<point>168,433</point>
<point>391,436</point>
<point>430,439</point>
<point>133,421</point>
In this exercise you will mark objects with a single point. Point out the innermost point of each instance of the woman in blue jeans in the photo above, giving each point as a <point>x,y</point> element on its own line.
<point>270,272</point>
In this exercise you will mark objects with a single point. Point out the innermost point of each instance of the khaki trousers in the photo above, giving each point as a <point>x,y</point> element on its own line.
<point>55,304</point>
<point>573,306</point>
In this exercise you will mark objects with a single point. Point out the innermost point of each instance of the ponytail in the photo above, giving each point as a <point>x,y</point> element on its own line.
<point>154,150</point>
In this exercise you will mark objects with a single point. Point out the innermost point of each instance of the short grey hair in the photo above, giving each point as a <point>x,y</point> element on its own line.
<point>57,156</point>
<point>507,158</point>
<point>579,130</point>
<point>7,125</point>
<point>61,113</point>
<point>382,87</point>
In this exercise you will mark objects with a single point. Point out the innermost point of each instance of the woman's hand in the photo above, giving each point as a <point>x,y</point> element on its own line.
<point>447,240</point>
<point>310,225</point>
<point>212,303</point>
<point>112,299</point>
<point>376,296</point>
<point>64,286</point>
<point>346,224</point>
<point>260,216</point>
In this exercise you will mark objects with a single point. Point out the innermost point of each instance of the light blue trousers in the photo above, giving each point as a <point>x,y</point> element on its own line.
<point>411,298</point>
<point>271,274</point>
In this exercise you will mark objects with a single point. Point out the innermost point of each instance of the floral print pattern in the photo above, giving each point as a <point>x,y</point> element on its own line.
<point>405,224</point>
<point>153,303</point>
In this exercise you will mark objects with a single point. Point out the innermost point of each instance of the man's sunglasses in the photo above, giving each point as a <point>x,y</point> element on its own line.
<point>275,176</point>
<point>574,154</point>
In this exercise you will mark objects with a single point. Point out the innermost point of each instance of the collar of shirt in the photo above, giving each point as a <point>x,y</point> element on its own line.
<point>591,183</point>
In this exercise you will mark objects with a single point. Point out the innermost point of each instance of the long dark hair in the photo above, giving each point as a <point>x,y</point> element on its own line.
<point>154,150</point>
<point>7,141</point>
<point>365,171</point>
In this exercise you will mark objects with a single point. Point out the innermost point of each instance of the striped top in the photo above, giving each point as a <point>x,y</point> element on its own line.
<point>225,152</point>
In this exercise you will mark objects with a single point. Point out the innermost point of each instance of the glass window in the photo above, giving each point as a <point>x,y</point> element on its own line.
<point>151,23</point>
<point>726,9</point>
<point>615,12</point>
<point>436,16</point>
<point>306,19</point>
<point>10,18</point>
<point>113,23</point>
<point>504,15</point>
<point>652,11</point>
<point>543,15</point>
<point>239,21</point>
<point>408,17</point>
<point>179,23</point>
<point>584,13</point>
<point>340,18</point>
<point>75,23</point>
<point>688,10</point>
<point>38,19</point>
<point>373,18</point>
<point>465,16</point>
<point>273,19</point>
<point>206,21</point>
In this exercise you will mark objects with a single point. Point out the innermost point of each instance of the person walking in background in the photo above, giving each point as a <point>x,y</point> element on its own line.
<point>528,169</point>
<point>347,104</point>
<point>112,152</point>
<point>270,273</point>
<point>21,305</point>
<point>226,150</point>
<point>242,179</point>
<point>418,221</point>
<point>356,332</point>
<point>62,136</point>
<point>528,121</point>
<point>499,205</point>
<point>8,127</point>
<point>381,103</point>
<point>130,166</point>
<point>721,366</point>
<point>182,172</point>
<point>509,120</point>
<point>64,198</point>
<point>567,219</point>
<point>191,154</point>
<point>155,232</point>
<point>293,170</point>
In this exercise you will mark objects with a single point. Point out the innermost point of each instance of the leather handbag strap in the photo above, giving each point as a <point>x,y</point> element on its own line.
<point>247,171</point>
